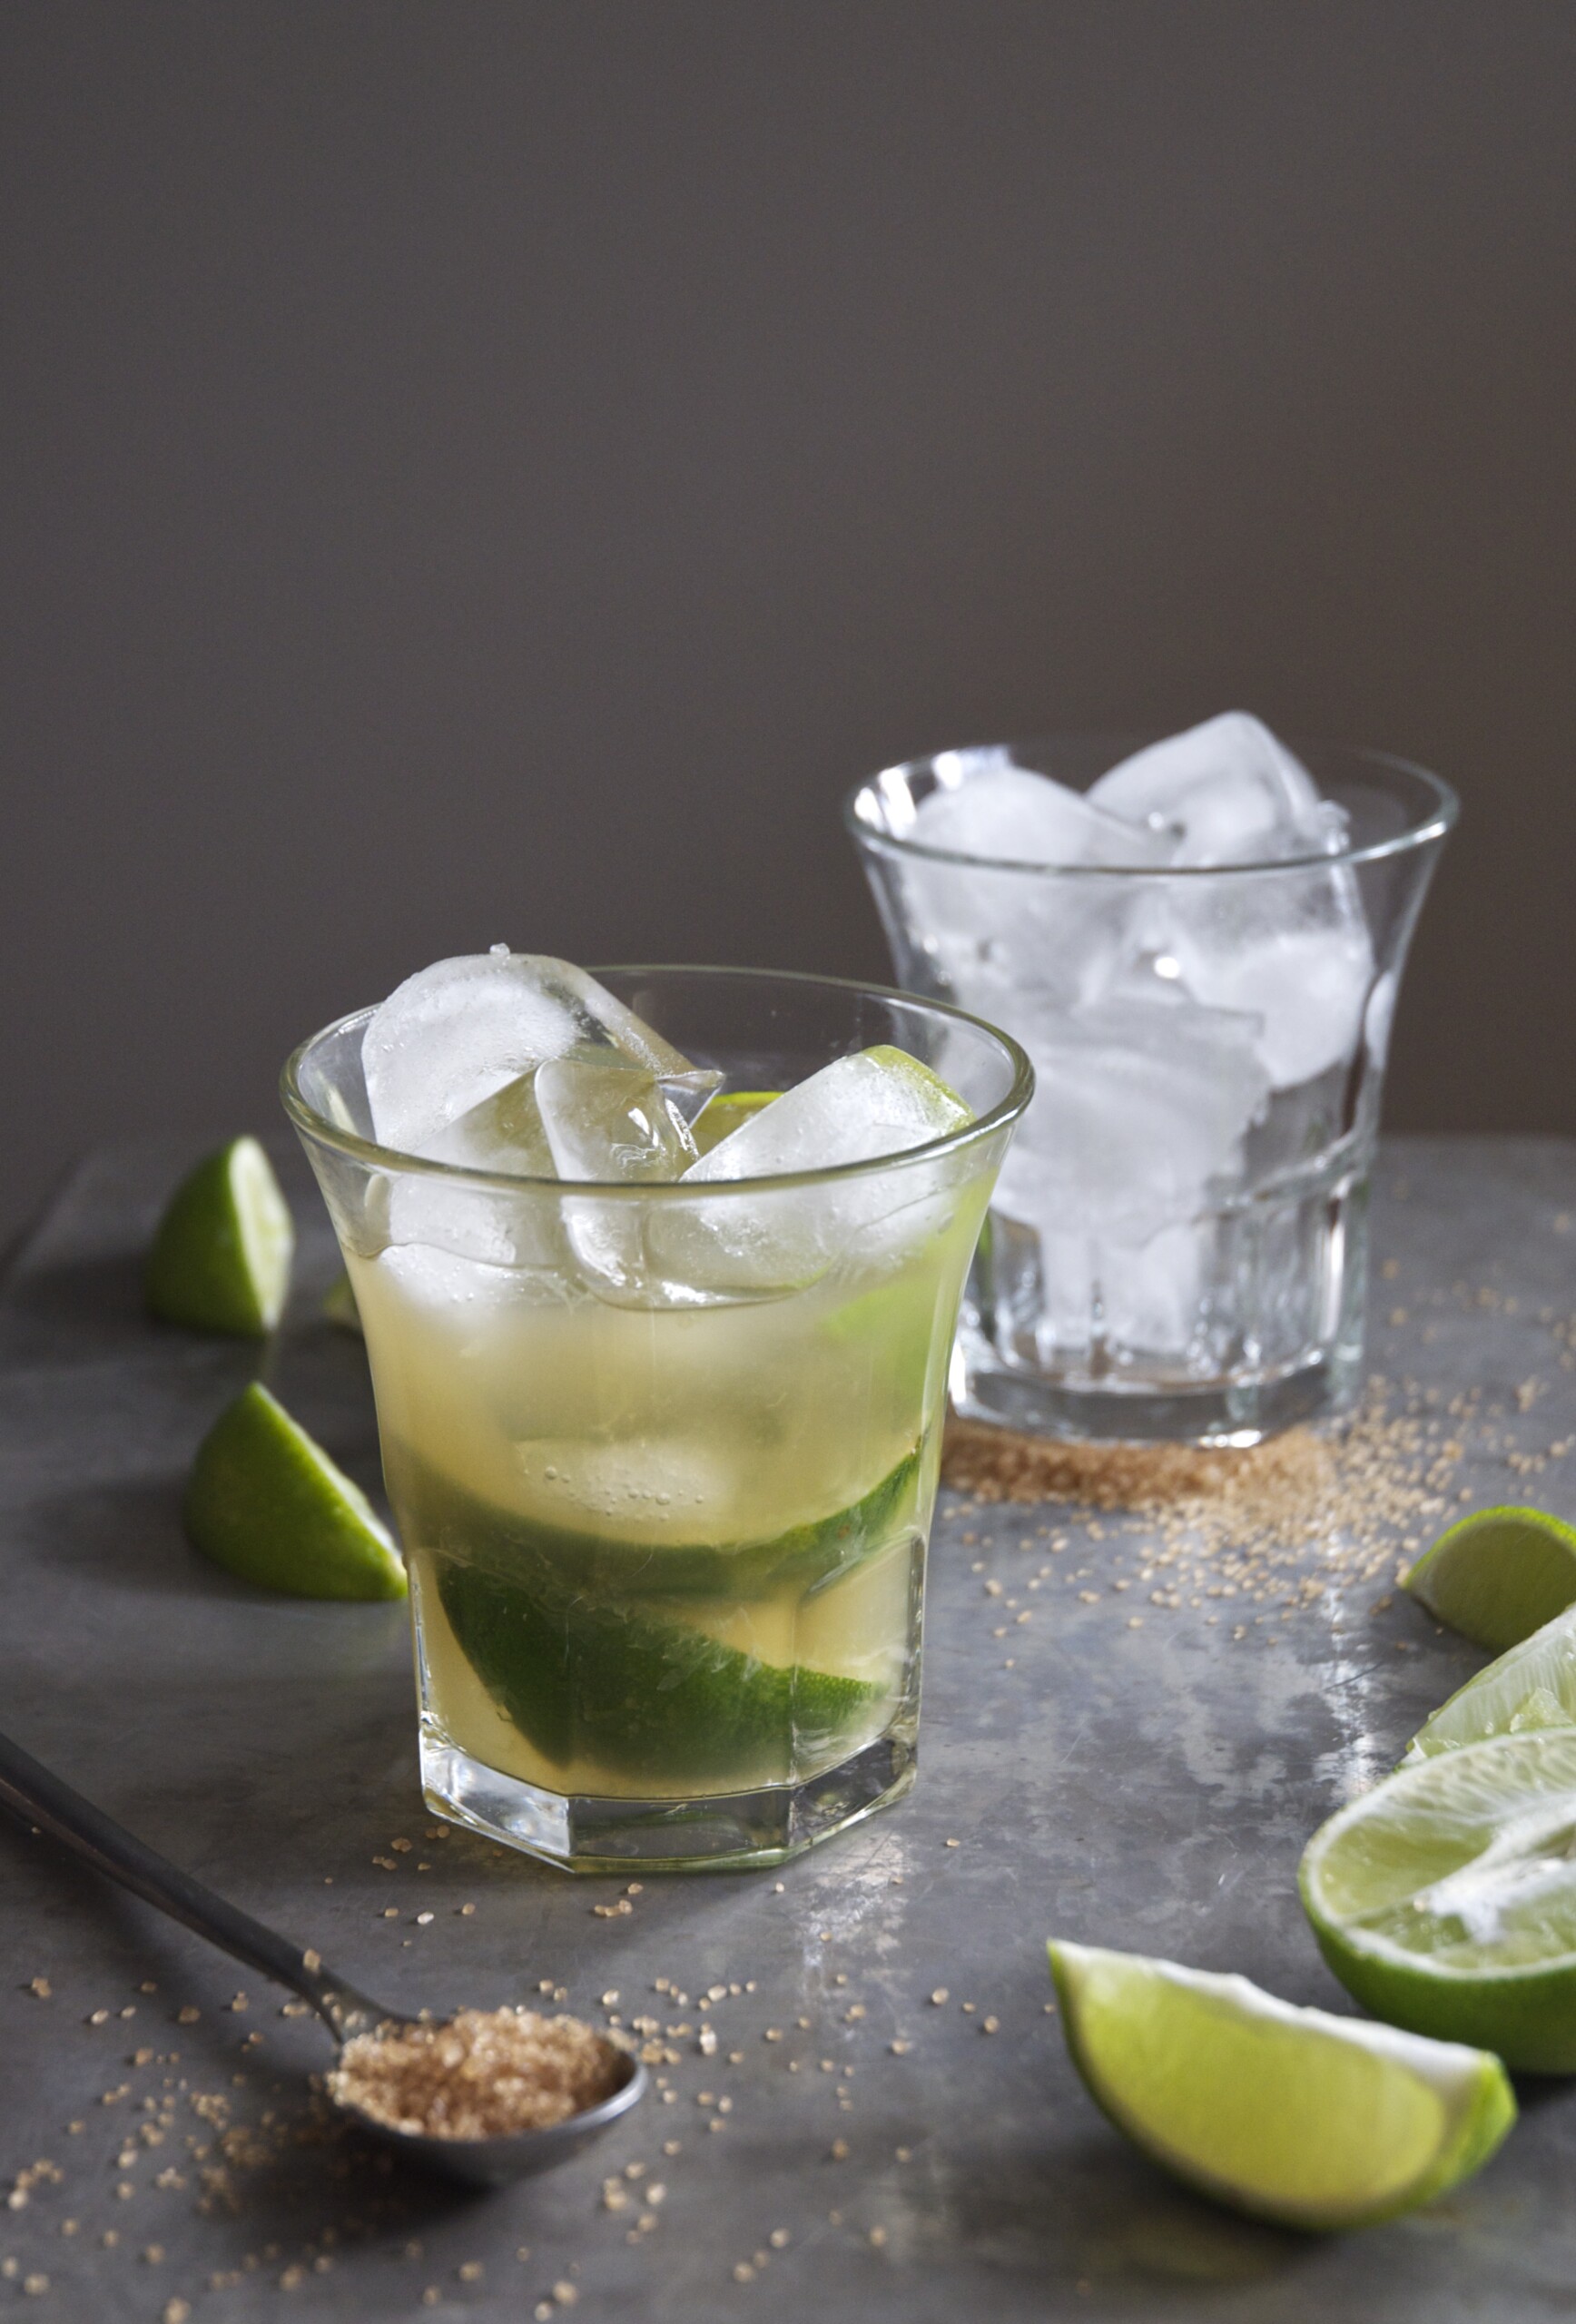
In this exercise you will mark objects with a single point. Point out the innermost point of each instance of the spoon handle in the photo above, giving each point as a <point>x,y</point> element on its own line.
<point>38,1798</point>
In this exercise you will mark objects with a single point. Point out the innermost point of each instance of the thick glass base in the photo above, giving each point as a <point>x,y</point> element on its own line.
<point>1222,1330</point>
<point>730,1832</point>
<point>1230,1411</point>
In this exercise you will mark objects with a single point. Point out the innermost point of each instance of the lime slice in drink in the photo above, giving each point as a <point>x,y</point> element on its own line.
<point>859,1108</point>
<point>592,1645</point>
<point>1291,2114</point>
<point>267,1503</point>
<point>1445,1898</point>
<point>221,1257</point>
<point>559,1555</point>
<point>1497,1575</point>
<point>625,1687</point>
<point>1533,1687</point>
<point>726,1114</point>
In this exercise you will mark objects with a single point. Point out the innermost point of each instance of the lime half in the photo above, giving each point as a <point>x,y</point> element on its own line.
<point>1445,1898</point>
<point>222,1255</point>
<point>1531,1686</point>
<point>1497,1575</point>
<point>267,1503</point>
<point>1291,2114</point>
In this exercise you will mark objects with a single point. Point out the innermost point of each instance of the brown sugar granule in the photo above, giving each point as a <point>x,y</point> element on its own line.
<point>482,2074</point>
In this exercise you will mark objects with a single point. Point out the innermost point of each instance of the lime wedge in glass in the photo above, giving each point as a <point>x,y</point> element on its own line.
<point>1291,2114</point>
<point>1530,1688</point>
<point>1497,1575</point>
<point>267,1503</point>
<point>566,1633</point>
<point>726,1114</point>
<point>221,1254</point>
<point>1445,1898</point>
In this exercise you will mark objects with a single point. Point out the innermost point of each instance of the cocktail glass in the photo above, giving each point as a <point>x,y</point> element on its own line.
<point>1176,1248</point>
<point>663,1457</point>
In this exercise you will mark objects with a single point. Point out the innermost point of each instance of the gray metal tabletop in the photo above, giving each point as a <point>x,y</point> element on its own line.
<point>865,2107</point>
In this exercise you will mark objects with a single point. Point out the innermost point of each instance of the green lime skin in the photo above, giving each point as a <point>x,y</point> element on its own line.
<point>1317,2122</point>
<point>556,1628</point>
<point>464,1531</point>
<point>1497,1575</point>
<point>1364,1870</point>
<point>1527,2017</point>
<point>221,1257</point>
<point>631,1690</point>
<point>266,1503</point>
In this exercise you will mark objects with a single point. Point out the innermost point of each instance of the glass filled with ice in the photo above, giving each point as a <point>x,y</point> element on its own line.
<point>1198,941</point>
<point>659,1271</point>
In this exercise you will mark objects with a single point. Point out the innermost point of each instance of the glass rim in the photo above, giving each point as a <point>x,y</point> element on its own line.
<point>1435,824</point>
<point>1007,1110</point>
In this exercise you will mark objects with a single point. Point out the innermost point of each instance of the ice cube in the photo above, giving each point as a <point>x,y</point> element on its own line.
<point>497,1227</point>
<point>763,1239</point>
<point>457,1034</point>
<point>451,1062</point>
<point>605,1120</point>
<point>1227,792</point>
<point>855,1110</point>
<point>1140,1108</point>
<point>504,1133</point>
<point>992,808</point>
<point>1150,1296</point>
<point>612,1122</point>
<point>1137,1130</point>
<point>1307,977</point>
<point>1291,945</point>
<point>991,931</point>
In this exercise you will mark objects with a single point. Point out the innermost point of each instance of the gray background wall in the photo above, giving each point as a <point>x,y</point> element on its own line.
<point>500,469</point>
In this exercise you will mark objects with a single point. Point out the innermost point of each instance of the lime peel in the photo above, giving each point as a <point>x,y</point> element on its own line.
<point>221,1257</point>
<point>265,1502</point>
<point>1497,1575</point>
<point>1293,2116</point>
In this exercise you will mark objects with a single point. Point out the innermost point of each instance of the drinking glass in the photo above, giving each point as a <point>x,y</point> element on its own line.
<point>663,1457</point>
<point>1176,1248</point>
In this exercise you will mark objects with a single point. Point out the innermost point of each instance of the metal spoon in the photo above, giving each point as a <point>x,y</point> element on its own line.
<point>37,1798</point>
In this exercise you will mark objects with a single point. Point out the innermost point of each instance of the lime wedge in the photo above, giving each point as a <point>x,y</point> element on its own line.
<point>581,1640</point>
<point>1445,1898</point>
<point>726,1114</point>
<point>635,1691</point>
<point>1291,2114</point>
<point>1531,1686</point>
<point>267,1503</point>
<point>221,1257</point>
<point>1497,1575</point>
<point>861,1107</point>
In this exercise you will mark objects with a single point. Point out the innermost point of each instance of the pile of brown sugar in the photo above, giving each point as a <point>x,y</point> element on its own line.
<point>1286,1474</point>
<point>480,2074</point>
<point>1300,1512</point>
